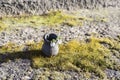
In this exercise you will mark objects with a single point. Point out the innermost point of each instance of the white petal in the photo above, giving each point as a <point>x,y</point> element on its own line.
<point>52,44</point>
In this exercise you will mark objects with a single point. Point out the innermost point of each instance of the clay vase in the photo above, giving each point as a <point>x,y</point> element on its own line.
<point>51,43</point>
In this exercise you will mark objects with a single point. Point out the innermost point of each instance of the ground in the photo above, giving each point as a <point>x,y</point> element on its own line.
<point>90,46</point>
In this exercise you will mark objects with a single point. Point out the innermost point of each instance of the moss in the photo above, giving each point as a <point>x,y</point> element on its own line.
<point>57,76</point>
<point>33,45</point>
<point>52,75</point>
<point>10,48</point>
<point>91,56</point>
<point>78,56</point>
<point>52,18</point>
<point>2,25</point>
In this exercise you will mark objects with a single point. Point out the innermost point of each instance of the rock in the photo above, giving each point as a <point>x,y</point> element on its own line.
<point>26,78</point>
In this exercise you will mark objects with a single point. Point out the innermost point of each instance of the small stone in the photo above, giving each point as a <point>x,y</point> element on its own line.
<point>26,78</point>
<point>87,34</point>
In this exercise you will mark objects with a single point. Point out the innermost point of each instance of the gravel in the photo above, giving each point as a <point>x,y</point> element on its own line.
<point>20,69</point>
<point>36,7</point>
<point>113,74</point>
<point>29,34</point>
<point>16,70</point>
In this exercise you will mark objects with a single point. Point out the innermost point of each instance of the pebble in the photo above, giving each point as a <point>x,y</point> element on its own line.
<point>113,74</point>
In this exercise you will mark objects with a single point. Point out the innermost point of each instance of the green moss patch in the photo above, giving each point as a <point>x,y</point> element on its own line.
<point>75,55</point>
<point>90,56</point>
<point>52,18</point>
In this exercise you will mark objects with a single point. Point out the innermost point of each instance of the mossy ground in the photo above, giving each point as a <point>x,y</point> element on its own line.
<point>90,56</point>
<point>52,18</point>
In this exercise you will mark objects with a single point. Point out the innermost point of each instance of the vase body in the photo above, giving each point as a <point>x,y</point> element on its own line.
<point>50,46</point>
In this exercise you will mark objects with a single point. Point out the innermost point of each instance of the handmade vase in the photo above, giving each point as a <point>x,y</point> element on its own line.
<point>51,44</point>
